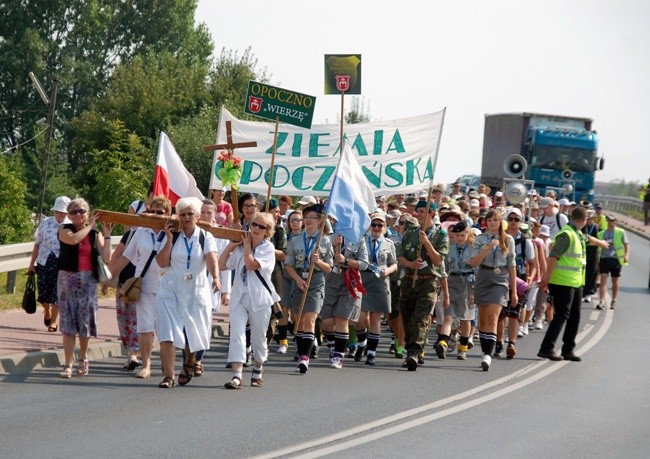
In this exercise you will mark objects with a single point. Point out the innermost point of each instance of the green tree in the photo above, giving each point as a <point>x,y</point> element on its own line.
<point>359,112</point>
<point>15,218</point>
<point>120,173</point>
<point>81,42</point>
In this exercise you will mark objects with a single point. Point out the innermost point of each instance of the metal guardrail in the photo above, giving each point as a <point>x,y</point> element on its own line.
<point>622,204</point>
<point>14,257</point>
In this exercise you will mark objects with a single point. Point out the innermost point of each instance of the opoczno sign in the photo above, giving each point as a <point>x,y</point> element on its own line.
<point>271,102</point>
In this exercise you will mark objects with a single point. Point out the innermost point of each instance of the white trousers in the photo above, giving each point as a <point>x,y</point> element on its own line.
<point>241,314</point>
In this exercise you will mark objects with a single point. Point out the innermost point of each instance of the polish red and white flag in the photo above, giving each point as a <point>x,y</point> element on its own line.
<point>171,178</point>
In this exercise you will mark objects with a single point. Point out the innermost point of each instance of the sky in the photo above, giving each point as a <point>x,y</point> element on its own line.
<point>585,58</point>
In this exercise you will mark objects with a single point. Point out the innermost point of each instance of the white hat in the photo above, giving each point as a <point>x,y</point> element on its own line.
<point>61,204</point>
<point>544,230</point>
<point>498,193</point>
<point>474,203</point>
<point>545,202</point>
<point>564,202</point>
<point>307,200</point>
<point>515,211</point>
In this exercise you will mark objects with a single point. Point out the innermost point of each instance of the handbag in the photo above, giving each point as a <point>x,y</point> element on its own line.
<point>104,274</point>
<point>132,288</point>
<point>276,309</point>
<point>29,297</point>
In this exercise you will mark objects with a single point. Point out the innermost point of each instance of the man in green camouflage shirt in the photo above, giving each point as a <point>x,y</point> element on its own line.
<point>421,253</point>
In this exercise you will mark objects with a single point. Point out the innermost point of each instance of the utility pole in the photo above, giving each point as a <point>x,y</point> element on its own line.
<point>51,103</point>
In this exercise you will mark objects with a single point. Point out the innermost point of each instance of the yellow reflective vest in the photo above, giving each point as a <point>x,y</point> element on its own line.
<point>570,268</point>
<point>619,247</point>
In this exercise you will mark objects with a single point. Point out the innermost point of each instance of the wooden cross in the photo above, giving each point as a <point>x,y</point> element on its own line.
<point>230,147</point>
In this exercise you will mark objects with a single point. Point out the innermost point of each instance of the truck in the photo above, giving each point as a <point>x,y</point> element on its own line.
<point>561,152</point>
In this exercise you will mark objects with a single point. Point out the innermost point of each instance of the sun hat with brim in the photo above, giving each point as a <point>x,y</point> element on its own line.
<point>61,204</point>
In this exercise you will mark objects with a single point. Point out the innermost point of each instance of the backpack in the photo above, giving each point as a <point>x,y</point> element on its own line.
<point>521,259</point>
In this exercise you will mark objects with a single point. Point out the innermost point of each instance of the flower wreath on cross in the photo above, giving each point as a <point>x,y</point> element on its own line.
<point>231,169</point>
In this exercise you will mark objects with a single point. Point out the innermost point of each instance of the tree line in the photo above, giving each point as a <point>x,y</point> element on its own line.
<point>125,71</point>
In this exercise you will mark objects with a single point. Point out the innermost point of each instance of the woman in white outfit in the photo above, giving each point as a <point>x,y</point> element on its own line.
<point>137,251</point>
<point>184,299</point>
<point>251,300</point>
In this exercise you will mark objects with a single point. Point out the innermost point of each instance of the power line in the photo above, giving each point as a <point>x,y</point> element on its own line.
<point>26,141</point>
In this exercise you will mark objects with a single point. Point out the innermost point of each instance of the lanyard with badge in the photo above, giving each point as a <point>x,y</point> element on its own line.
<point>188,247</point>
<point>308,250</point>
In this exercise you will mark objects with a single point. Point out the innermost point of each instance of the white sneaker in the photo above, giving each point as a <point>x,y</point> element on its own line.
<point>539,325</point>
<point>336,362</point>
<point>451,345</point>
<point>586,298</point>
<point>524,329</point>
<point>520,333</point>
<point>282,349</point>
<point>485,363</point>
<point>600,305</point>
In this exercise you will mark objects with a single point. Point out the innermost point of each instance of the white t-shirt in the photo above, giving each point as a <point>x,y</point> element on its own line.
<point>552,222</point>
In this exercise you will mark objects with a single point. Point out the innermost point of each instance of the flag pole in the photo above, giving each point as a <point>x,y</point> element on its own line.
<point>322,226</point>
<point>275,145</point>
<point>433,171</point>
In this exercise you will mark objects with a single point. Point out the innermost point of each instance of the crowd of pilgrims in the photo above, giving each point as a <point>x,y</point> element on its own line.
<point>467,264</point>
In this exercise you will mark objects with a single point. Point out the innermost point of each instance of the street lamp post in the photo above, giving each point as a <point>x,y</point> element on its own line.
<point>51,103</point>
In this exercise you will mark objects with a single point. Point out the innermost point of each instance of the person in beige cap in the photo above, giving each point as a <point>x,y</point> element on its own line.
<point>551,216</point>
<point>45,261</point>
<point>307,201</point>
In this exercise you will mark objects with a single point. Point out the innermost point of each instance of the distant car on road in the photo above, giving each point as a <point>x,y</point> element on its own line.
<point>467,182</point>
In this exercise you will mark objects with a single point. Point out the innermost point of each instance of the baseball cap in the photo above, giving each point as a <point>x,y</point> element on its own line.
<point>610,218</point>
<point>307,200</point>
<point>515,211</point>
<point>545,202</point>
<point>377,216</point>
<point>564,202</point>
<point>432,205</point>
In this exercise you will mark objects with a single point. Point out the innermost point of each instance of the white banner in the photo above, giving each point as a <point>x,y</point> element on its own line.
<point>396,156</point>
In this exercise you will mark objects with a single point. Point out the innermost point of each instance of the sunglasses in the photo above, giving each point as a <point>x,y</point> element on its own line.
<point>295,220</point>
<point>257,225</point>
<point>402,223</point>
<point>250,206</point>
<point>186,214</point>
<point>77,211</point>
<point>377,225</point>
<point>157,212</point>
<point>514,219</point>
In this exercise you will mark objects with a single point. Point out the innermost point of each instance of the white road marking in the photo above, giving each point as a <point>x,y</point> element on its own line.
<point>386,431</point>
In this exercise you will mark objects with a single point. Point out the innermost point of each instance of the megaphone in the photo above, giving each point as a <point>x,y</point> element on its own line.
<point>567,189</point>
<point>516,192</point>
<point>567,174</point>
<point>515,165</point>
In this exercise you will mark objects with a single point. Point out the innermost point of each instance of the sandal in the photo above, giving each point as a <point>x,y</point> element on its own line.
<point>53,328</point>
<point>131,365</point>
<point>82,369</point>
<point>144,373</point>
<point>198,369</point>
<point>167,383</point>
<point>234,383</point>
<point>185,375</point>
<point>67,372</point>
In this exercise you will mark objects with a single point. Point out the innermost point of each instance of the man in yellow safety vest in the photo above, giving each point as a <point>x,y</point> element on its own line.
<point>564,279</point>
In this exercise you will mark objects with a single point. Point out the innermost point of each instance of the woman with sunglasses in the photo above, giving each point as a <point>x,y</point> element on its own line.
<point>377,300</point>
<point>294,228</point>
<point>184,298</point>
<point>252,260</point>
<point>81,244</point>
<point>301,253</point>
<point>248,206</point>
<point>136,251</point>
<point>494,255</point>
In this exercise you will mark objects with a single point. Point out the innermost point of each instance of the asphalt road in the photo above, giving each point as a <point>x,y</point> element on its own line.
<point>527,406</point>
